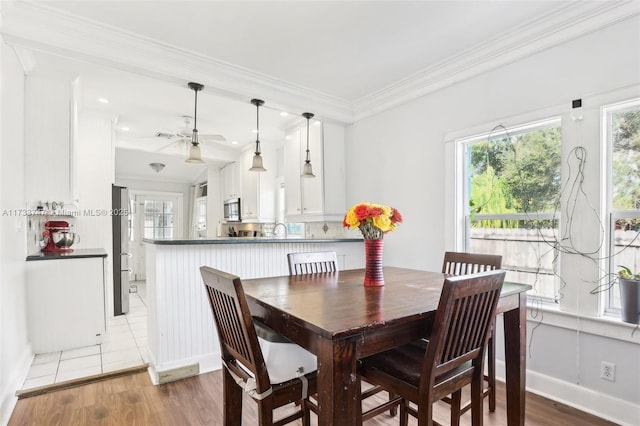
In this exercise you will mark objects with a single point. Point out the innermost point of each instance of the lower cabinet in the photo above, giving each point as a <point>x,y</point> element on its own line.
<point>66,303</point>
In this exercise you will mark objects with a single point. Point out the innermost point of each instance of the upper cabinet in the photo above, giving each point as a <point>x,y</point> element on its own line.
<point>50,135</point>
<point>230,181</point>
<point>321,198</point>
<point>257,203</point>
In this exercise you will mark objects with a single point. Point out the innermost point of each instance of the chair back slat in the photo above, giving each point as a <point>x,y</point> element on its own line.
<point>229,324</point>
<point>458,263</point>
<point>236,331</point>
<point>463,320</point>
<point>312,262</point>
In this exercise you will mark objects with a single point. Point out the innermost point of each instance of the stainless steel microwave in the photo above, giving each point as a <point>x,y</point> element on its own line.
<point>232,210</point>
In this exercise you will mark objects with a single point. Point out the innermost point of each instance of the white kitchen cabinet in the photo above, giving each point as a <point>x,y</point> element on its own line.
<point>230,181</point>
<point>257,203</point>
<point>50,136</point>
<point>66,302</point>
<point>292,179</point>
<point>323,197</point>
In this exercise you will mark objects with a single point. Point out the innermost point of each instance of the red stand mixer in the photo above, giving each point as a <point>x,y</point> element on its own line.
<point>58,236</point>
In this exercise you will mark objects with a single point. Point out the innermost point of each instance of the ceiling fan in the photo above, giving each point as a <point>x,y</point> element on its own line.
<point>186,132</point>
<point>182,135</point>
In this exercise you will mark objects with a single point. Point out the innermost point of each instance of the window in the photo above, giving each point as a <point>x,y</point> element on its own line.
<point>158,219</point>
<point>512,186</point>
<point>622,133</point>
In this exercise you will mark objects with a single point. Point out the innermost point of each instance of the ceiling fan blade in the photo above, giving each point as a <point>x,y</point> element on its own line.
<point>165,135</point>
<point>213,137</point>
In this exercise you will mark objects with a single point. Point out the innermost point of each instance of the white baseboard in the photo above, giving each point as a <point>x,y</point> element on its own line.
<point>584,399</point>
<point>207,363</point>
<point>14,382</point>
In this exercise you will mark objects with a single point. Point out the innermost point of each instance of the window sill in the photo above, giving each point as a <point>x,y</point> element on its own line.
<point>606,326</point>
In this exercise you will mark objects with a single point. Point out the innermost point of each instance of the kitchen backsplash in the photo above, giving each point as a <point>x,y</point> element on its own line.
<point>324,230</point>
<point>294,230</point>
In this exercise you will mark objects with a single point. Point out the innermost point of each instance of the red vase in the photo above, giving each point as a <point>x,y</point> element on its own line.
<point>373,263</point>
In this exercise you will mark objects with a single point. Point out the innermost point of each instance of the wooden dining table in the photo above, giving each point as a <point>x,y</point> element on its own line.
<point>336,317</point>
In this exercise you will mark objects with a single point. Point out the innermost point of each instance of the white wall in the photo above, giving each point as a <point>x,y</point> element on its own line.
<point>15,351</point>
<point>400,157</point>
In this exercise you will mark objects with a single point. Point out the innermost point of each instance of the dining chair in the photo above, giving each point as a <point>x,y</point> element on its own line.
<point>460,263</point>
<point>453,356</point>
<point>312,262</point>
<point>327,261</point>
<point>248,360</point>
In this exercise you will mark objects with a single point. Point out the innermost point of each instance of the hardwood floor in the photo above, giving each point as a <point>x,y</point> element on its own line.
<point>133,400</point>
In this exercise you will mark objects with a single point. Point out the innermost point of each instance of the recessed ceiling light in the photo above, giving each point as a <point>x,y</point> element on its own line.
<point>125,128</point>
<point>103,100</point>
<point>234,142</point>
<point>284,113</point>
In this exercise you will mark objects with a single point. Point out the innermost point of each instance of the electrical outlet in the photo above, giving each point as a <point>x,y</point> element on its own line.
<point>608,371</point>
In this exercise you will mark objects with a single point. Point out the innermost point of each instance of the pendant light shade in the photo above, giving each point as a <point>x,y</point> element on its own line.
<point>307,170</point>
<point>195,156</point>
<point>256,165</point>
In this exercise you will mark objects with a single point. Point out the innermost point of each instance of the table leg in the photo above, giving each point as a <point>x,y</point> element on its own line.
<point>338,386</point>
<point>515,343</point>
<point>232,400</point>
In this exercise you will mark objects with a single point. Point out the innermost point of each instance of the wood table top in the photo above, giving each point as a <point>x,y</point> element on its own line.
<point>338,305</point>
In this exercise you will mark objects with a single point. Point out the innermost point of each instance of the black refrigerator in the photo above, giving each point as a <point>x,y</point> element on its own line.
<point>121,256</point>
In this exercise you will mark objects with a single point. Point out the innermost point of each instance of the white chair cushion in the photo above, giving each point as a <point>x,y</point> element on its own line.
<point>285,360</point>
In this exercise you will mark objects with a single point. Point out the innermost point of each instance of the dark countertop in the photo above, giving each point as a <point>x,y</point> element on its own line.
<point>75,254</point>
<point>249,240</point>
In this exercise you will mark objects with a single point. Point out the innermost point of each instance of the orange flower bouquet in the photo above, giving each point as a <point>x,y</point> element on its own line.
<point>373,220</point>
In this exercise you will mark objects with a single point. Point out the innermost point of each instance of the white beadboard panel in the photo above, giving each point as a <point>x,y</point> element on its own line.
<point>180,325</point>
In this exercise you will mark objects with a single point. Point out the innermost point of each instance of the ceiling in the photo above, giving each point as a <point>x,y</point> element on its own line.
<point>296,55</point>
<point>346,49</point>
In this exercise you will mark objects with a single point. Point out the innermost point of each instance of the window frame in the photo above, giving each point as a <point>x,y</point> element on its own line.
<point>463,188</point>
<point>608,262</point>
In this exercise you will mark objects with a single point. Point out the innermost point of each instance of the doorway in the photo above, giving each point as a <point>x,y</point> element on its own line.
<point>156,215</point>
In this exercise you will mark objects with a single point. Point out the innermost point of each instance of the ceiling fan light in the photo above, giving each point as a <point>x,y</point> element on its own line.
<point>195,156</point>
<point>256,165</point>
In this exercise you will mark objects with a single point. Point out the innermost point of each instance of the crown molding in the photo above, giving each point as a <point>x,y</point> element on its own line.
<point>26,58</point>
<point>39,27</point>
<point>560,25</point>
<point>36,26</point>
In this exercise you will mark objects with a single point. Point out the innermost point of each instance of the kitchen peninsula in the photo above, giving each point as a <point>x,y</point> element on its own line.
<point>182,339</point>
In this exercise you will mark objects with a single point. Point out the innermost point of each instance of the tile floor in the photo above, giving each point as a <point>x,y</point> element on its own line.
<point>123,346</point>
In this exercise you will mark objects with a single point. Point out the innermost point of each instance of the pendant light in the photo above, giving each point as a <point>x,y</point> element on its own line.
<point>307,171</point>
<point>195,156</point>
<point>256,165</point>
